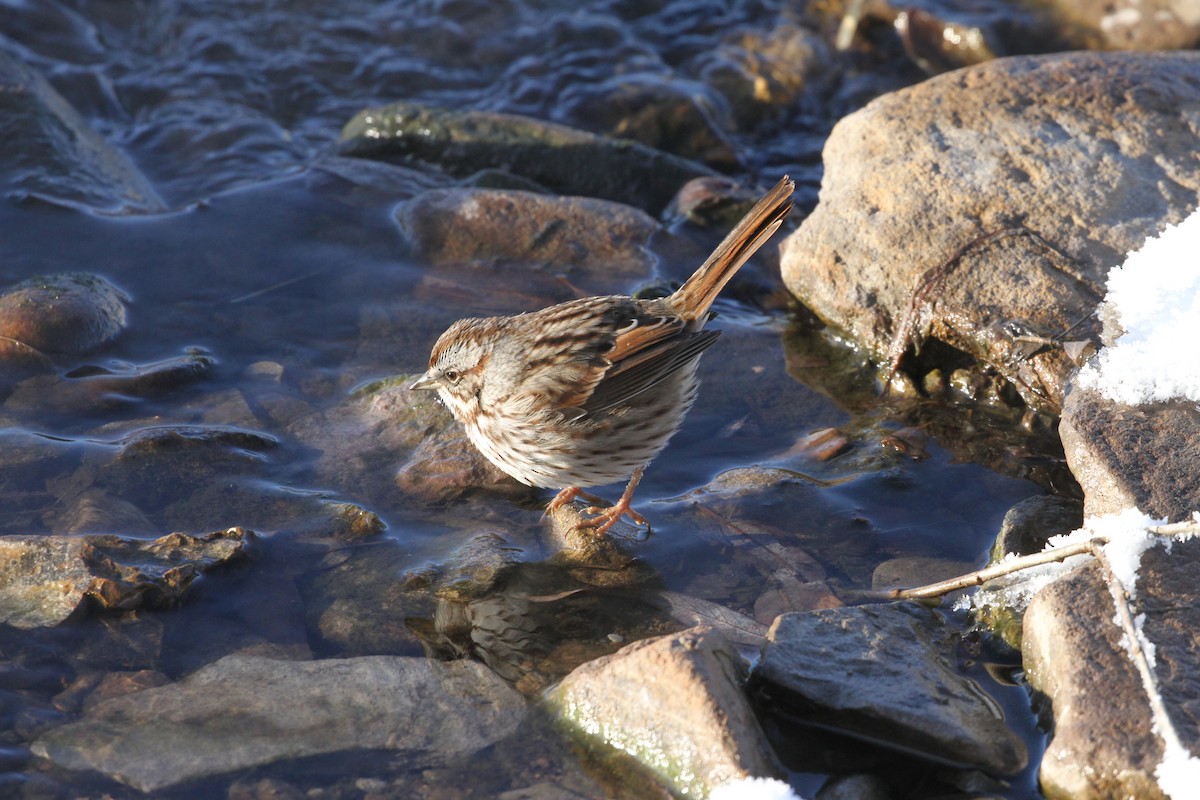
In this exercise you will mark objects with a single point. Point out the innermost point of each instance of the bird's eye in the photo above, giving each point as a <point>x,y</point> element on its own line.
<point>453,375</point>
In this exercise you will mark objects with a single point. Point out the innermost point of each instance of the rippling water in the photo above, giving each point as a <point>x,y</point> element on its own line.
<point>275,252</point>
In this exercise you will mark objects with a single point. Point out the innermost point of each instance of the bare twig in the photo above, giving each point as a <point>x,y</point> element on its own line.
<point>1011,565</point>
<point>986,574</point>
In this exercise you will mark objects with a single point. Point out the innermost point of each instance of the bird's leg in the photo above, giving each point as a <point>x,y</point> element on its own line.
<point>607,517</point>
<point>567,496</point>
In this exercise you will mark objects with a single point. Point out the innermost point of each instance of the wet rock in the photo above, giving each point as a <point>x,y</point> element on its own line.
<point>43,579</point>
<point>940,217</point>
<point>97,511</point>
<point>246,711</point>
<point>1124,24</point>
<point>672,116</point>
<point>386,443</point>
<point>68,313</point>
<point>855,787</point>
<point>1143,456</point>
<point>713,202</point>
<point>1073,654</point>
<point>579,237</point>
<point>565,160</point>
<point>88,388</point>
<point>50,152</point>
<point>692,725</point>
<point>357,603</point>
<point>1031,523</point>
<point>910,572</point>
<point>753,509</point>
<point>762,74</point>
<point>885,674</point>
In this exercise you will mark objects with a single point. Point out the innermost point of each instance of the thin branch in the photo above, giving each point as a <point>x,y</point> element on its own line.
<point>1011,565</point>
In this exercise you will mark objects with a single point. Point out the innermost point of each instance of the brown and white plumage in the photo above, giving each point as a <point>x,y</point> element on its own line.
<point>587,392</point>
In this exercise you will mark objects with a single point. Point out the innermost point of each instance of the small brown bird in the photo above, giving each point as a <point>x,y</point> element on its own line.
<point>587,392</point>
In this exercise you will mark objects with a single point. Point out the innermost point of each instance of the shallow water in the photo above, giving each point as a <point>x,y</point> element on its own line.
<point>277,254</point>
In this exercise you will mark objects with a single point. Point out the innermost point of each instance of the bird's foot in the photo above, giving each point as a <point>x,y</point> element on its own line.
<point>605,518</point>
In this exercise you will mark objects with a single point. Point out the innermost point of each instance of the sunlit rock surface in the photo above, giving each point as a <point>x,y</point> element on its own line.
<point>983,207</point>
<point>690,724</point>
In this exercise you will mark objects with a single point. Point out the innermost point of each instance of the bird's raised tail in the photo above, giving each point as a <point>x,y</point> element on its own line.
<point>693,299</point>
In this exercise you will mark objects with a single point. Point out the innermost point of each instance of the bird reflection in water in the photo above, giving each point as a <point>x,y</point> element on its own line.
<point>539,621</point>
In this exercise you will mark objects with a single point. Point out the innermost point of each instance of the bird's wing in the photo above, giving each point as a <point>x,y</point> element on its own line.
<point>593,354</point>
<point>649,350</point>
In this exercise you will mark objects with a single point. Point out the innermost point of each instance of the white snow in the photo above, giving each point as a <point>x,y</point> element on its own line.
<point>753,789</point>
<point>1179,773</point>
<point>1155,296</point>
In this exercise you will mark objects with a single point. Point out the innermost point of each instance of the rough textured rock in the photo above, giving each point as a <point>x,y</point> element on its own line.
<point>885,674</point>
<point>1145,456</point>
<point>244,711</point>
<point>43,579</point>
<point>1073,654</point>
<point>567,235</point>
<point>984,206</point>
<point>691,723</point>
<point>49,151</point>
<point>562,159</point>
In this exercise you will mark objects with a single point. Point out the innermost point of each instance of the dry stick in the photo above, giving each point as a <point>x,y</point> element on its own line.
<point>1137,654</point>
<point>1009,566</point>
<point>981,576</point>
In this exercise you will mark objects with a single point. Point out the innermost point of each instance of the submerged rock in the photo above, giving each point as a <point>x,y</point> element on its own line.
<point>564,160</point>
<point>690,724</point>
<point>68,313</point>
<point>983,207</point>
<point>386,441</point>
<point>43,579</point>
<point>666,114</point>
<point>246,711</point>
<point>49,151</point>
<point>573,236</point>
<point>886,675</point>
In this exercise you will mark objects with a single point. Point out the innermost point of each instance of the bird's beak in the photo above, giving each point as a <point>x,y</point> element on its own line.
<point>425,382</point>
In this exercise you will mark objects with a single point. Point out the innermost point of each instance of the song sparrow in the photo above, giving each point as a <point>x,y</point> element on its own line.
<point>587,392</point>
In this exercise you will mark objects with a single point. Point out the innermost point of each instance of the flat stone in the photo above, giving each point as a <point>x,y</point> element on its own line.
<point>690,723</point>
<point>246,711</point>
<point>886,674</point>
<point>984,207</point>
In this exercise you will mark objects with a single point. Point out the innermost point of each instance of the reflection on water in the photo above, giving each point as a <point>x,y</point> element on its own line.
<point>281,284</point>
